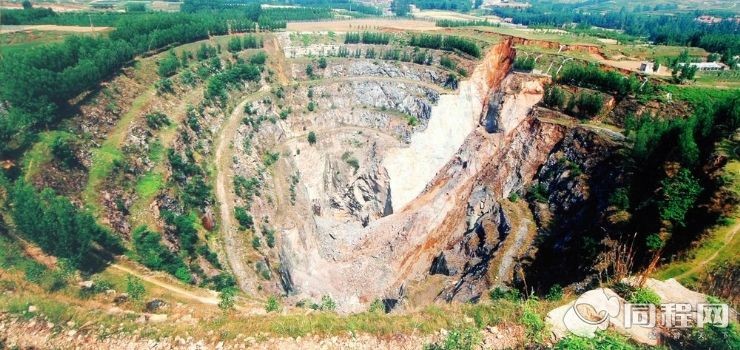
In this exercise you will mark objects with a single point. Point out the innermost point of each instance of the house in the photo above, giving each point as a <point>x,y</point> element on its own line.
<point>706,66</point>
<point>708,19</point>
<point>647,67</point>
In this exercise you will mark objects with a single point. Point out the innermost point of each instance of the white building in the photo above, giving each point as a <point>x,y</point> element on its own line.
<point>647,67</point>
<point>706,66</point>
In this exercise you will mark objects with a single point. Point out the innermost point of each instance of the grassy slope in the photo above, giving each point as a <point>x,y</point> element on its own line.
<point>721,244</point>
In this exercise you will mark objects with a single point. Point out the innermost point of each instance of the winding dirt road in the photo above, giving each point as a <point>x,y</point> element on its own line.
<point>233,244</point>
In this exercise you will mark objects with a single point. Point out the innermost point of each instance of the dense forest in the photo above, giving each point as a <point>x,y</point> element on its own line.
<point>39,82</point>
<point>678,29</point>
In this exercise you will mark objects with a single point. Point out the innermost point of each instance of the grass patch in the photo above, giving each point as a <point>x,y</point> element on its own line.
<point>40,153</point>
<point>104,158</point>
<point>696,95</point>
<point>149,184</point>
<point>25,40</point>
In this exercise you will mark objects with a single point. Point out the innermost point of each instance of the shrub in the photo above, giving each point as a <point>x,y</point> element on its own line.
<point>234,45</point>
<point>273,305</point>
<point>311,138</point>
<point>534,324</point>
<point>714,337</point>
<point>256,242</point>
<point>259,58</point>
<point>555,293</point>
<point>589,104</point>
<point>327,303</point>
<point>164,86</point>
<point>168,66</point>
<point>458,339</point>
<point>377,306</point>
<point>603,340</point>
<point>135,287</point>
<point>269,236</point>
<point>537,193</point>
<point>223,281</point>
<point>184,228</point>
<point>227,298</point>
<point>309,71</point>
<point>151,253</point>
<point>447,62</point>
<point>183,274</point>
<point>351,160</point>
<point>644,296</point>
<point>620,198</point>
<point>510,294</point>
<point>554,97</point>
<point>524,63</point>
<point>243,217</point>
<point>99,286</point>
<point>270,158</point>
<point>322,62</point>
<point>157,120</point>
<point>679,194</point>
<point>63,149</point>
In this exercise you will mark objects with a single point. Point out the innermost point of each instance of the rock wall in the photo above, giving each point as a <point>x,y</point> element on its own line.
<point>356,265</point>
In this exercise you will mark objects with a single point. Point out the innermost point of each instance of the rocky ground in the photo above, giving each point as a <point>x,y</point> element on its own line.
<point>36,333</point>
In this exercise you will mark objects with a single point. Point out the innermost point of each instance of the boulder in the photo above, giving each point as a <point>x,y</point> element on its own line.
<point>121,298</point>
<point>596,310</point>
<point>155,304</point>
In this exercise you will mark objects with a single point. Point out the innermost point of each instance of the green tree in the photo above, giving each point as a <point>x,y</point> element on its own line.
<point>309,70</point>
<point>554,97</point>
<point>679,194</point>
<point>135,287</point>
<point>227,298</point>
<point>169,65</point>
<point>243,217</point>
<point>235,44</point>
<point>311,138</point>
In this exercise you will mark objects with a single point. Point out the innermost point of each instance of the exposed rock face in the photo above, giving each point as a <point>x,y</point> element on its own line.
<point>385,69</point>
<point>577,180</point>
<point>356,264</point>
<point>504,102</point>
<point>380,205</point>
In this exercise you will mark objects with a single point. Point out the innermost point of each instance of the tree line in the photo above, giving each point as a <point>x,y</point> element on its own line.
<point>592,76</point>
<point>401,7</point>
<point>668,163</point>
<point>367,38</point>
<point>447,43</point>
<point>39,82</point>
<point>677,29</point>
<point>58,227</point>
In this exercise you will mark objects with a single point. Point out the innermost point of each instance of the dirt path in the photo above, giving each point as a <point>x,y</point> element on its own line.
<point>211,300</point>
<point>701,264</point>
<point>233,245</point>
<point>49,27</point>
